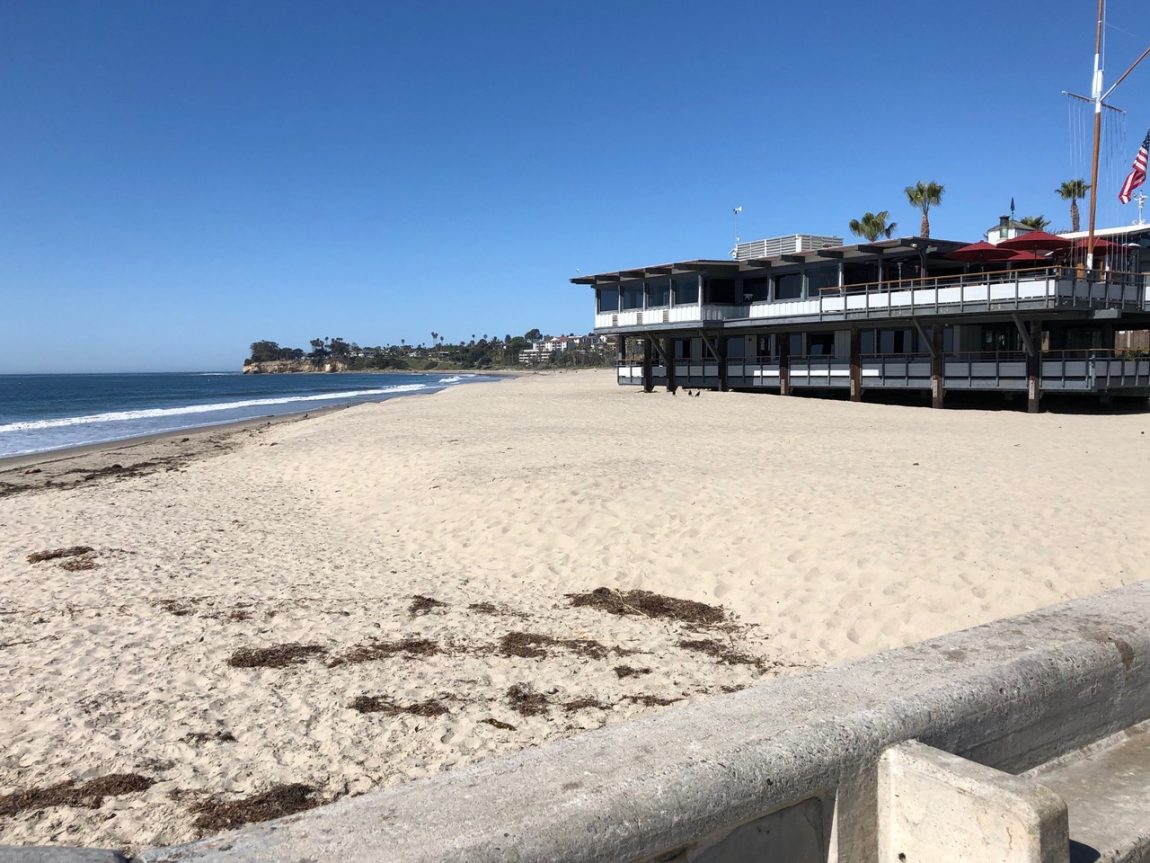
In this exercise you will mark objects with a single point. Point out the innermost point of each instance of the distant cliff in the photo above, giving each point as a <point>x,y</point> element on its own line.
<point>279,367</point>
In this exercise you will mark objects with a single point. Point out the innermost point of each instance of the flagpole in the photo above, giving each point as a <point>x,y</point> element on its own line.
<point>1096,95</point>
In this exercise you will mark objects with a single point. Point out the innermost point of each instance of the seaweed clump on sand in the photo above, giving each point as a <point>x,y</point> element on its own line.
<point>648,604</point>
<point>276,656</point>
<point>525,701</point>
<point>725,654</point>
<point>421,605</point>
<point>57,553</point>
<point>374,650</point>
<point>88,795</point>
<point>379,704</point>
<point>276,802</point>
<point>531,645</point>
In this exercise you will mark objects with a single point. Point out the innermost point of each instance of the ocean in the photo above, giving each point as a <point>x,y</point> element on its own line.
<point>46,412</point>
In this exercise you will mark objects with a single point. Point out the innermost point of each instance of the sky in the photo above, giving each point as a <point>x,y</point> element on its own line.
<point>179,179</point>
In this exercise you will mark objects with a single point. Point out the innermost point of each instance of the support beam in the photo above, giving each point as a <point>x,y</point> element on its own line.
<point>856,365</point>
<point>937,369</point>
<point>923,336</point>
<point>1027,341</point>
<point>722,357</point>
<point>669,356</point>
<point>1034,367</point>
<point>784,344</point>
<point>648,376</point>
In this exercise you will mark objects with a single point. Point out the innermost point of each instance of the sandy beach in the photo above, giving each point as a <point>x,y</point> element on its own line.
<point>380,593</point>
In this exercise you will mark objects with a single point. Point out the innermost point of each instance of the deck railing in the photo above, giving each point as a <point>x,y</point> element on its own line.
<point>1082,370</point>
<point>1042,287</point>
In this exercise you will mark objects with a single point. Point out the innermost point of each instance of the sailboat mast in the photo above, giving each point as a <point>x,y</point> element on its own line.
<point>1096,96</point>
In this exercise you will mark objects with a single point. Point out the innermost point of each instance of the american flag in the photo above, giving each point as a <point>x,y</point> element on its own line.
<point>1137,174</point>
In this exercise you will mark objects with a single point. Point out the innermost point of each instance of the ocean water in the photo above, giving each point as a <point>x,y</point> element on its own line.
<point>46,412</point>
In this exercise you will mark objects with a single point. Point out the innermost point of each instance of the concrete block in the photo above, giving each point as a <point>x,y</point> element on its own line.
<point>58,854</point>
<point>934,807</point>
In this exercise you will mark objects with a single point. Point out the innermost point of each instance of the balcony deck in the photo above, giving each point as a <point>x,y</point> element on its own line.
<point>1097,372</point>
<point>1054,288</point>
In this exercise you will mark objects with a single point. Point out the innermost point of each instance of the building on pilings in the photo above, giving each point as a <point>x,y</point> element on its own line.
<point>892,315</point>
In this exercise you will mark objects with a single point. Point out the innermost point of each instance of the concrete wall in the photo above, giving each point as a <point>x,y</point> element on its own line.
<point>794,763</point>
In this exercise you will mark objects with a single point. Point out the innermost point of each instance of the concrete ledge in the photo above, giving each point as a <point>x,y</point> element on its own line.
<point>58,854</point>
<point>1011,695</point>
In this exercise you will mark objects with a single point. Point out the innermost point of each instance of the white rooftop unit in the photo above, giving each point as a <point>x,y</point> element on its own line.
<point>788,245</point>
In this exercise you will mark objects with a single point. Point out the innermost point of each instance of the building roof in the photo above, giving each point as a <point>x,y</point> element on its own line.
<point>855,252</point>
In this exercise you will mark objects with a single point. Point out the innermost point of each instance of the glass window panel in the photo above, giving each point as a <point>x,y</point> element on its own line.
<point>608,299</point>
<point>757,290</point>
<point>659,292</point>
<point>736,348</point>
<point>821,344</point>
<point>720,291</point>
<point>686,290</point>
<point>795,343</point>
<point>821,277</point>
<point>789,286</point>
<point>632,295</point>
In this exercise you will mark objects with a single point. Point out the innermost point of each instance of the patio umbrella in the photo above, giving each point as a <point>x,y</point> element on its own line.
<point>1026,255</point>
<point>1102,246</point>
<point>1037,241</point>
<point>980,253</point>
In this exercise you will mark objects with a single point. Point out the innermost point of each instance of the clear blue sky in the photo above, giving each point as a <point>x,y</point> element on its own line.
<point>178,179</point>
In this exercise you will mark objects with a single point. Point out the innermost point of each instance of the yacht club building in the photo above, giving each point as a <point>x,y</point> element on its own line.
<point>893,315</point>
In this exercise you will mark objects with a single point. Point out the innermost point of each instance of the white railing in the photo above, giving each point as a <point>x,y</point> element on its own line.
<point>1055,286</point>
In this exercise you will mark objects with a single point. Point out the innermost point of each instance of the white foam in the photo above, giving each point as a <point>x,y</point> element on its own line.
<point>122,416</point>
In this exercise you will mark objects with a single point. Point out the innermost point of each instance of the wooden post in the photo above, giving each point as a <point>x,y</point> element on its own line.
<point>784,343</point>
<point>648,377</point>
<point>1034,368</point>
<point>937,387</point>
<point>856,365</point>
<point>669,356</point>
<point>721,343</point>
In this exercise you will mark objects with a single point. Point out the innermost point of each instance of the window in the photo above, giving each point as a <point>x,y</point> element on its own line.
<point>789,286</point>
<point>756,290</point>
<point>897,341</point>
<point>632,295</point>
<point>659,293</point>
<point>763,347</point>
<point>682,349</point>
<point>821,277</point>
<point>608,300</point>
<point>795,344</point>
<point>736,348</point>
<point>821,344</point>
<point>720,291</point>
<point>686,290</point>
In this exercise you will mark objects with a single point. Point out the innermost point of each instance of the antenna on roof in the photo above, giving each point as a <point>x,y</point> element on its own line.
<point>735,250</point>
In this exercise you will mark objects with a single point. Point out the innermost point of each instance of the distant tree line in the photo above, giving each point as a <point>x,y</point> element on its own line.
<point>483,352</point>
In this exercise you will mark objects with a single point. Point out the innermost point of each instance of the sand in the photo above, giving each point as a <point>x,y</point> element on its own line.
<point>825,530</point>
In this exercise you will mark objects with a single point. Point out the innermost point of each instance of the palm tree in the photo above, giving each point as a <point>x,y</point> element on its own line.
<point>873,225</point>
<point>1071,191</point>
<point>1035,223</point>
<point>924,195</point>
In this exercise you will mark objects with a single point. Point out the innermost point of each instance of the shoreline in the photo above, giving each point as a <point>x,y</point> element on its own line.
<point>31,459</point>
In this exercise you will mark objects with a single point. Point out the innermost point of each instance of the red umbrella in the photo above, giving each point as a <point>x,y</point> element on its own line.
<point>1102,246</point>
<point>979,253</point>
<point>1037,240</point>
<point>1026,255</point>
